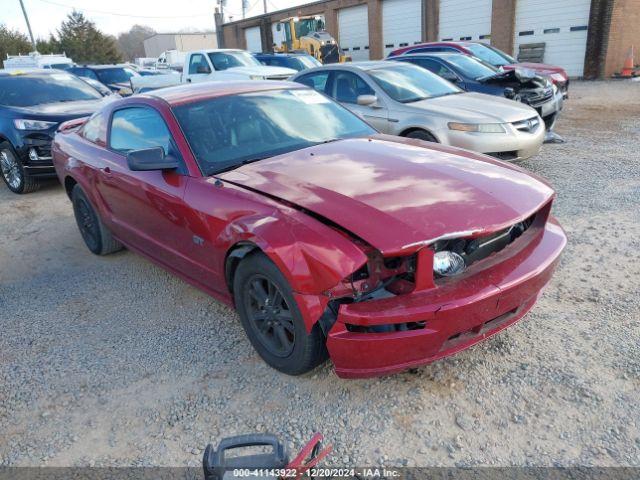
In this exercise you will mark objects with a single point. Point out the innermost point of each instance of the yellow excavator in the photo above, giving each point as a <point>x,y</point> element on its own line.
<point>307,34</point>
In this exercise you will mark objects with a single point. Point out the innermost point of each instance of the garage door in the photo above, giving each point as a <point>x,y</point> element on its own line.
<point>465,20</point>
<point>401,23</point>
<point>253,38</point>
<point>562,26</point>
<point>353,32</point>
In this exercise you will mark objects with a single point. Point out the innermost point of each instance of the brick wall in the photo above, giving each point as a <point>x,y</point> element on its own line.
<point>503,24</point>
<point>623,32</point>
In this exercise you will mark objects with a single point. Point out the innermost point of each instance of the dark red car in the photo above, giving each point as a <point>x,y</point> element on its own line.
<point>385,252</point>
<point>492,56</point>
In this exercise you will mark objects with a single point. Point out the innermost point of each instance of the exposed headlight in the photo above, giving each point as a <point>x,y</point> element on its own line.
<point>477,127</point>
<point>558,77</point>
<point>23,124</point>
<point>257,77</point>
<point>448,264</point>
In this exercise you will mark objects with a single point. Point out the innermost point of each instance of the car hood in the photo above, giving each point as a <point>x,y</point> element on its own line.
<point>540,68</point>
<point>61,111</point>
<point>476,107</point>
<point>265,71</point>
<point>398,194</point>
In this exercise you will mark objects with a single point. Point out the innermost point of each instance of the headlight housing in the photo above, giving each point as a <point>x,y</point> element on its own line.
<point>477,127</point>
<point>448,264</point>
<point>26,124</point>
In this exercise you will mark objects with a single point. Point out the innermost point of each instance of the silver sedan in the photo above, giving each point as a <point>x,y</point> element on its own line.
<point>405,100</point>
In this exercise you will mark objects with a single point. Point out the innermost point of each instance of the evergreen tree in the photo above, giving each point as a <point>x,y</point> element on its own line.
<point>12,42</point>
<point>83,42</point>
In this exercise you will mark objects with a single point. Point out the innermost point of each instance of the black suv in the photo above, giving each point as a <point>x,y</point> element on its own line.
<point>32,105</point>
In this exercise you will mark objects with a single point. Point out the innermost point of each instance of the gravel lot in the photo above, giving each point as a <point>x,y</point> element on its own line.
<point>112,361</point>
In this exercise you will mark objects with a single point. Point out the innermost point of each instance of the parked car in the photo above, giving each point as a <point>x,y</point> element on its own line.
<point>473,75</point>
<point>492,56</point>
<point>294,61</point>
<point>100,87</point>
<point>33,103</point>
<point>402,99</point>
<point>116,77</point>
<point>219,64</point>
<point>326,236</point>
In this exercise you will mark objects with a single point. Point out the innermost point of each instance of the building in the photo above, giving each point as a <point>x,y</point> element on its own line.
<point>183,42</point>
<point>588,38</point>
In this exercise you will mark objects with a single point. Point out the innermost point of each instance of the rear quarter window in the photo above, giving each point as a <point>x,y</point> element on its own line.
<point>95,129</point>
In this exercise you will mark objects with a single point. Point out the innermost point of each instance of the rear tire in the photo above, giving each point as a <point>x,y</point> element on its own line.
<point>13,172</point>
<point>421,135</point>
<point>272,320</point>
<point>96,236</point>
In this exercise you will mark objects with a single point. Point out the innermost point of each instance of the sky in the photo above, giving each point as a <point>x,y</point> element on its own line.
<point>117,16</point>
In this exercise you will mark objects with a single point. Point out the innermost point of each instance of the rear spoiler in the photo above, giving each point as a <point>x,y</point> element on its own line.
<point>69,125</point>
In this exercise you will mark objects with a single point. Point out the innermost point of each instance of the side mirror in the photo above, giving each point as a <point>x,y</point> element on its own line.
<point>451,77</point>
<point>203,69</point>
<point>509,92</point>
<point>150,159</point>
<point>367,100</point>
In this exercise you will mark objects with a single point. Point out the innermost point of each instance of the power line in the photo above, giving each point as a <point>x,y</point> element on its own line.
<point>115,14</point>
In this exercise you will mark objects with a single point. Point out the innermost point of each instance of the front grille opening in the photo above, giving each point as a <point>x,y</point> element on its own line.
<point>387,328</point>
<point>475,249</point>
<point>506,156</point>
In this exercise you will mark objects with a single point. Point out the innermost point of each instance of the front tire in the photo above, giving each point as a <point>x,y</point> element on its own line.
<point>421,135</point>
<point>96,236</point>
<point>13,172</point>
<point>272,320</point>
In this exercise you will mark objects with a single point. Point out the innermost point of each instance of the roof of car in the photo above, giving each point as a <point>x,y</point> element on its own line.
<point>104,67</point>
<point>14,72</point>
<point>187,93</point>
<point>281,54</point>
<point>365,65</point>
<point>433,54</point>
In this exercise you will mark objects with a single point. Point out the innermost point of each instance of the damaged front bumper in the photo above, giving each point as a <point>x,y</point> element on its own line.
<point>451,317</point>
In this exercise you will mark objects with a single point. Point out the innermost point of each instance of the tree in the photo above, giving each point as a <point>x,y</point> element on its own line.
<point>131,43</point>
<point>83,42</point>
<point>12,42</point>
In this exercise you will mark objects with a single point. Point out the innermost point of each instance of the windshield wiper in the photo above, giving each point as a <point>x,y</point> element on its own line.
<point>239,164</point>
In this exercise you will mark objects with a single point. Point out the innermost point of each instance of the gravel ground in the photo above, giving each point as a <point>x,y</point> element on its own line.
<point>112,361</point>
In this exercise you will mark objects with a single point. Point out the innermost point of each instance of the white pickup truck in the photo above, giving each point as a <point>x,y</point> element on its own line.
<point>207,65</point>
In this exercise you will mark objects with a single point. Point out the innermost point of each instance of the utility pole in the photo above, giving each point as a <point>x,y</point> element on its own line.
<point>26,18</point>
<point>264,5</point>
<point>244,8</point>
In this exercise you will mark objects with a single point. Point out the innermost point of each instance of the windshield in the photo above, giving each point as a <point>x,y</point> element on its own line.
<point>60,66</point>
<point>224,60</point>
<point>30,90</point>
<point>308,25</point>
<point>489,55</point>
<point>471,67</point>
<point>115,75</point>
<point>408,83</point>
<point>309,62</point>
<point>228,131</point>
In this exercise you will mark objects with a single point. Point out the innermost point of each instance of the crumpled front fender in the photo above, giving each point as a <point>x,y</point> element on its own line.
<point>313,256</point>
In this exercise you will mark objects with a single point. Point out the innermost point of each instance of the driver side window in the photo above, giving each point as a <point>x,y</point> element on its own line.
<point>347,87</point>
<point>198,64</point>
<point>137,128</point>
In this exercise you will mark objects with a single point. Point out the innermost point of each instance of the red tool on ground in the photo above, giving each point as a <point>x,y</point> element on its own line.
<point>222,464</point>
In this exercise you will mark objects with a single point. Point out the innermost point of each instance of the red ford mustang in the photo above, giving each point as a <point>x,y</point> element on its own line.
<point>384,253</point>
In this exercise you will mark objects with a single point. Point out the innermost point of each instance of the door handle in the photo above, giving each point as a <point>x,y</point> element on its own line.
<point>188,80</point>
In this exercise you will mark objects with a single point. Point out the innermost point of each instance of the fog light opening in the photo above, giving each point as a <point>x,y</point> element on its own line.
<point>33,155</point>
